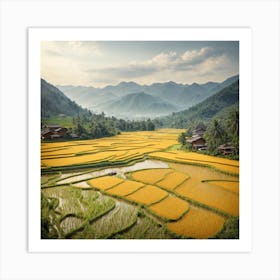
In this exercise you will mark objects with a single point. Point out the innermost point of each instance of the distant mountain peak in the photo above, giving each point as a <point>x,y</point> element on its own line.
<point>130,83</point>
<point>171,83</point>
<point>195,84</point>
<point>175,95</point>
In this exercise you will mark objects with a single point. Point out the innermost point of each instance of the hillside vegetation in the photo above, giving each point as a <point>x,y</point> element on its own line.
<point>218,105</point>
<point>133,101</point>
<point>82,122</point>
<point>54,102</point>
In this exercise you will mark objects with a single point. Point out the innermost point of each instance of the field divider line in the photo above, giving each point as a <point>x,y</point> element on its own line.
<point>167,220</point>
<point>163,219</point>
<point>53,186</point>
<point>138,204</point>
<point>106,188</point>
<point>89,221</point>
<point>70,215</point>
<point>158,201</point>
<point>135,190</point>
<point>194,202</point>
<point>60,156</point>
<point>187,179</point>
<point>164,177</point>
<point>220,187</point>
<point>177,236</point>
<point>179,183</point>
<point>195,164</point>
<point>97,165</point>
<point>218,180</point>
<point>128,227</point>
<point>208,161</point>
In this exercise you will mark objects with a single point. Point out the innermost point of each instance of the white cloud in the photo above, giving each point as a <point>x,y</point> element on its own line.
<point>169,64</point>
<point>87,63</point>
<point>70,49</point>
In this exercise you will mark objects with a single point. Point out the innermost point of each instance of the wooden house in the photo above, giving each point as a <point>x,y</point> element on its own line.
<point>197,142</point>
<point>53,132</point>
<point>226,149</point>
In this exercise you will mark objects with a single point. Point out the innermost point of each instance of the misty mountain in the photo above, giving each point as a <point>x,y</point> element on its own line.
<point>217,105</point>
<point>169,95</point>
<point>138,105</point>
<point>54,102</point>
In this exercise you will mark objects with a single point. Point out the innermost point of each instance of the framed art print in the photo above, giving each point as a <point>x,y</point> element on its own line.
<point>140,139</point>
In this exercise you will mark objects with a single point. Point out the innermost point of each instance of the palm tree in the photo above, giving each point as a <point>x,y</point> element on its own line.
<point>217,131</point>
<point>233,129</point>
<point>215,135</point>
<point>233,123</point>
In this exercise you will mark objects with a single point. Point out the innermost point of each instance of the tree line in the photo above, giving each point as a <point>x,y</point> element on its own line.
<point>218,132</point>
<point>91,125</point>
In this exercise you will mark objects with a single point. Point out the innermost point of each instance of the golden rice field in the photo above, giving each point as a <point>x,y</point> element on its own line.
<point>171,208</point>
<point>191,195</point>
<point>197,223</point>
<point>125,188</point>
<point>222,164</point>
<point>111,149</point>
<point>147,195</point>
<point>206,193</point>
<point>173,180</point>
<point>210,195</point>
<point>232,186</point>
<point>104,183</point>
<point>150,176</point>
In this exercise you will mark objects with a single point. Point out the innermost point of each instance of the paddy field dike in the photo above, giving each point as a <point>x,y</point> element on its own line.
<point>137,185</point>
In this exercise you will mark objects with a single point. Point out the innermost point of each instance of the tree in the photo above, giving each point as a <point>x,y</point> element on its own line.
<point>200,125</point>
<point>182,139</point>
<point>233,128</point>
<point>150,125</point>
<point>215,135</point>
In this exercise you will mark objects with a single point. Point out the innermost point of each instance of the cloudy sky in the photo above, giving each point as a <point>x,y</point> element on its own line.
<point>91,63</point>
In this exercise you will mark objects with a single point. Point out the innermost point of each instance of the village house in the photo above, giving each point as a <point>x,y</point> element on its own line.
<point>198,132</point>
<point>226,149</point>
<point>197,141</point>
<point>53,132</point>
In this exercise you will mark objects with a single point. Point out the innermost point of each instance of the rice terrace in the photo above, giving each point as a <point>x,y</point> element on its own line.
<point>141,159</point>
<point>170,195</point>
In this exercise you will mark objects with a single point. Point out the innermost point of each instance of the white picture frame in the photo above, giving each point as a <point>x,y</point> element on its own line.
<point>16,262</point>
<point>243,36</point>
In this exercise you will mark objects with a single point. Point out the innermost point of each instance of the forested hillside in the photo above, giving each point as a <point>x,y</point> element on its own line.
<point>54,102</point>
<point>218,105</point>
<point>79,121</point>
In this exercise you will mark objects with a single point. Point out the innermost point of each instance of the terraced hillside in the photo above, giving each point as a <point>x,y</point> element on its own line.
<point>137,186</point>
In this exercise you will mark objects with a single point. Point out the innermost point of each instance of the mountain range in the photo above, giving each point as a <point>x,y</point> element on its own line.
<point>217,106</point>
<point>54,102</point>
<point>131,100</point>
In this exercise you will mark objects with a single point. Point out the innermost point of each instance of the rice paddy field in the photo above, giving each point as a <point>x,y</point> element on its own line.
<point>136,186</point>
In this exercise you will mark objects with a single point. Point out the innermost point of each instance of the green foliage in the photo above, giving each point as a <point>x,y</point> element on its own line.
<point>182,138</point>
<point>232,123</point>
<point>81,121</point>
<point>54,102</point>
<point>230,229</point>
<point>204,111</point>
<point>58,120</point>
<point>218,132</point>
<point>98,125</point>
<point>48,217</point>
<point>121,218</point>
<point>215,135</point>
<point>145,228</point>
